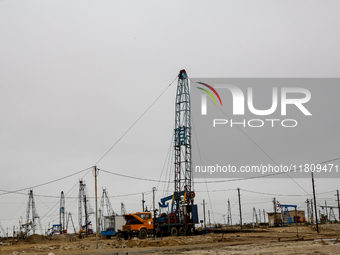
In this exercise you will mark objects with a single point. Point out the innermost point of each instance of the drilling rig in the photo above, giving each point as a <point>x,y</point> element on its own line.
<point>112,223</point>
<point>180,217</point>
<point>62,214</point>
<point>31,224</point>
<point>83,200</point>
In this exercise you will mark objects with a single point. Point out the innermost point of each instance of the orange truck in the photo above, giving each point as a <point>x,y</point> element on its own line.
<point>141,224</point>
<point>137,224</point>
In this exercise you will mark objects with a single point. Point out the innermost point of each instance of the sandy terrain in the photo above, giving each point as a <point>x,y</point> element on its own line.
<point>284,240</point>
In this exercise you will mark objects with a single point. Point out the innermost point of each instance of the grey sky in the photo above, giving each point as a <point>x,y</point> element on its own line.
<point>74,75</point>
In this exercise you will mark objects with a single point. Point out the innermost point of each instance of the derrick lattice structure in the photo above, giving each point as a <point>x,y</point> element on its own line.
<point>182,144</point>
<point>122,209</point>
<point>80,203</point>
<point>31,224</point>
<point>104,202</point>
<point>62,213</point>
<point>83,201</point>
<point>68,219</point>
<point>2,231</point>
<point>255,218</point>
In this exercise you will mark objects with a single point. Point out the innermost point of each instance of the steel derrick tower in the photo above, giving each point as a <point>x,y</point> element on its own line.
<point>182,144</point>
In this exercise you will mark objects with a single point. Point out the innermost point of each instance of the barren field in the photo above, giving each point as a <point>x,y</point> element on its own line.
<point>283,240</point>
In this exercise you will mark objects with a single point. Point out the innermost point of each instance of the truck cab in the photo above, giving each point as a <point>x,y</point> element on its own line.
<point>137,224</point>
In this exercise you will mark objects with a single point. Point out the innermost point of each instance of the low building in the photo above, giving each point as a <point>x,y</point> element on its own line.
<point>295,216</point>
<point>271,218</point>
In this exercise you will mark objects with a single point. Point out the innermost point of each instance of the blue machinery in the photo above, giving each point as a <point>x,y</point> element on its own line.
<point>286,218</point>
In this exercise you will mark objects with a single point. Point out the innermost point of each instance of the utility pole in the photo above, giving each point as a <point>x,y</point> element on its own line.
<point>239,205</point>
<point>337,193</point>
<point>327,218</point>
<point>311,211</point>
<point>229,214</point>
<point>154,207</point>
<point>143,201</point>
<point>275,217</point>
<point>95,178</point>
<point>308,210</point>
<point>316,213</point>
<point>209,217</point>
<point>205,225</point>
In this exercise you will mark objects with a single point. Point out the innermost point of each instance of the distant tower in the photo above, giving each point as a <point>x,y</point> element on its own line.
<point>62,213</point>
<point>81,201</point>
<point>104,202</point>
<point>264,216</point>
<point>31,204</point>
<point>255,220</point>
<point>229,215</point>
<point>122,208</point>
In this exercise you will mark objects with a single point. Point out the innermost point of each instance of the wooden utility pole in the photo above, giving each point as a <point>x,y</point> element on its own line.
<point>154,207</point>
<point>239,205</point>
<point>337,193</point>
<point>311,211</point>
<point>308,210</point>
<point>229,215</point>
<point>316,213</point>
<point>95,180</point>
<point>209,218</point>
<point>297,228</point>
<point>205,225</point>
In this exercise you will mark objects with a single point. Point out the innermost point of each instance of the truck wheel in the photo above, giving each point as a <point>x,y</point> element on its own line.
<point>182,231</point>
<point>142,233</point>
<point>126,236</point>
<point>174,231</point>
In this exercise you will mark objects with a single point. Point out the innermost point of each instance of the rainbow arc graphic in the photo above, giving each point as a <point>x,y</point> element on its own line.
<point>209,93</point>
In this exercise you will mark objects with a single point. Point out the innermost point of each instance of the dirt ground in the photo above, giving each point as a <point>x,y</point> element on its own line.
<point>283,240</point>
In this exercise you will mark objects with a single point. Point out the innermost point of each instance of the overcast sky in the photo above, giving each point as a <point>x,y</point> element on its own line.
<point>75,75</point>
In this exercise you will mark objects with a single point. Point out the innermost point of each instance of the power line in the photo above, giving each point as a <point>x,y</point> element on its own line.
<point>290,195</point>
<point>120,138</point>
<point>131,177</point>
<point>42,184</point>
<point>50,196</point>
